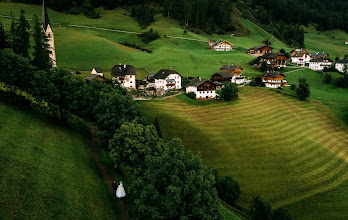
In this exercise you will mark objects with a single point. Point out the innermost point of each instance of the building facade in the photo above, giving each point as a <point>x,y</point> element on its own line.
<point>260,50</point>
<point>202,88</point>
<point>167,79</point>
<point>124,75</point>
<point>300,56</point>
<point>274,59</point>
<point>274,79</point>
<point>221,46</point>
<point>340,64</point>
<point>320,63</point>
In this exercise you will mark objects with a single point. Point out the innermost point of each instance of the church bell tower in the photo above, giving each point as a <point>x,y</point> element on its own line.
<point>49,33</point>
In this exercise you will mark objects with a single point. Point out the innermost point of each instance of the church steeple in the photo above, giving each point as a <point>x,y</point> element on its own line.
<point>45,20</point>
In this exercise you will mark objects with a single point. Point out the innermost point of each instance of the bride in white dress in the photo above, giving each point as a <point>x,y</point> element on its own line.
<point>120,191</point>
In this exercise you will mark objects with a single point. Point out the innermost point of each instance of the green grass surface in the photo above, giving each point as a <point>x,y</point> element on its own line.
<point>86,48</point>
<point>334,97</point>
<point>47,171</point>
<point>276,146</point>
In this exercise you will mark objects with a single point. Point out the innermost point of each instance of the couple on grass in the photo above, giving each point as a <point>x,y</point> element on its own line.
<point>118,191</point>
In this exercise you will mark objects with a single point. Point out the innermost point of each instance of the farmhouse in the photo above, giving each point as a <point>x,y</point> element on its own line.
<point>167,79</point>
<point>274,59</point>
<point>202,88</point>
<point>274,79</point>
<point>320,63</point>
<point>300,56</point>
<point>124,75</point>
<point>97,71</point>
<point>46,25</point>
<point>221,46</point>
<point>233,70</point>
<point>318,55</point>
<point>340,64</point>
<point>260,50</point>
<point>94,77</point>
<point>346,42</point>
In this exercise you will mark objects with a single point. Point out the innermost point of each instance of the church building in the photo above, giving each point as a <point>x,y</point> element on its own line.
<point>49,33</point>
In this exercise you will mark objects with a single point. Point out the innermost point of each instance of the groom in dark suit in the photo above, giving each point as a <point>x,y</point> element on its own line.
<point>114,187</point>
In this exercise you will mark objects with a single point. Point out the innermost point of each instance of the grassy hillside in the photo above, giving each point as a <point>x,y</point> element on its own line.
<point>85,48</point>
<point>46,170</point>
<point>276,146</point>
<point>334,97</point>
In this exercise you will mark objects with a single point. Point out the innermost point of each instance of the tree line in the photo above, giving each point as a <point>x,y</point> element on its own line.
<point>327,15</point>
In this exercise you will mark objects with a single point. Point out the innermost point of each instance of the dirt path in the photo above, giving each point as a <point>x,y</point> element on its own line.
<point>103,169</point>
<point>157,99</point>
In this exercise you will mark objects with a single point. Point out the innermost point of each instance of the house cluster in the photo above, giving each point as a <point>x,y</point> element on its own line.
<point>170,80</point>
<point>266,55</point>
<point>315,61</point>
<point>206,88</point>
<point>222,45</point>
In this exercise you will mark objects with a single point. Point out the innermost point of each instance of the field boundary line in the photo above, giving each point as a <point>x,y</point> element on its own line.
<point>108,29</point>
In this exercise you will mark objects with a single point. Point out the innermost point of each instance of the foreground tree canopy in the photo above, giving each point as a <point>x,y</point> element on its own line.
<point>175,185</point>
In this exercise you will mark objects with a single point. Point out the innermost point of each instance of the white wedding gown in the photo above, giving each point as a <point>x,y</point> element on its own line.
<point>120,191</point>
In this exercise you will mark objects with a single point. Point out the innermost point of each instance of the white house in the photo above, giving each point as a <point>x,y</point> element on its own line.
<point>97,71</point>
<point>124,75</point>
<point>320,63</point>
<point>300,56</point>
<point>167,79</point>
<point>202,88</point>
<point>340,64</point>
<point>49,34</point>
<point>274,79</point>
<point>221,46</point>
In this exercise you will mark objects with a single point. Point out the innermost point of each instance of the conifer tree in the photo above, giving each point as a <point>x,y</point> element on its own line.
<point>41,60</point>
<point>20,36</point>
<point>3,37</point>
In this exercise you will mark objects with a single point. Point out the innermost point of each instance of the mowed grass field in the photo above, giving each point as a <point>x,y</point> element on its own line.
<point>47,171</point>
<point>79,48</point>
<point>276,146</point>
<point>334,97</point>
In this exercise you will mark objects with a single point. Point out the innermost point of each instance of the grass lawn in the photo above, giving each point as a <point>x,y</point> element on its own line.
<point>277,147</point>
<point>334,97</point>
<point>47,171</point>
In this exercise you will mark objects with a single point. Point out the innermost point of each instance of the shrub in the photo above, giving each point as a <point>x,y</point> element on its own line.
<point>328,77</point>
<point>342,81</point>
<point>191,95</point>
<point>281,214</point>
<point>229,92</point>
<point>149,36</point>
<point>257,82</point>
<point>228,189</point>
<point>303,89</point>
<point>293,86</point>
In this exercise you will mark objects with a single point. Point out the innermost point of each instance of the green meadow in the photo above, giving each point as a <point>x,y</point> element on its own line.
<point>47,171</point>
<point>276,146</point>
<point>334,97</point>
<point>79,48</point>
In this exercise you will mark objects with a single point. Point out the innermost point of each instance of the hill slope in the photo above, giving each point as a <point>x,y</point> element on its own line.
<point>46,170</point>
<point>274,145</point>
<point>81,48</point>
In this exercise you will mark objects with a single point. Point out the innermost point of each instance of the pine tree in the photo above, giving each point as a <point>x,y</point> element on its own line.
<point>158,128</point>
<point>3,38</point>
<point>20,36</point>
<point>41,60</point>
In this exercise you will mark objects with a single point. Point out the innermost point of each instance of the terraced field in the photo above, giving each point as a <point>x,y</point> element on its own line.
<point>274,145</point>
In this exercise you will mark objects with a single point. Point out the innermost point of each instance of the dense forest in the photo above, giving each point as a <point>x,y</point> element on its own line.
<point>326,15</point>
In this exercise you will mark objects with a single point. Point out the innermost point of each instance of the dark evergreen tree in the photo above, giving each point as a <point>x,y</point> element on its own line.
<point>260,209</point>
<point>158,127</point>
<point>303,89</point>
<point>20,36</point>
<point>3,37</point>
<point>41,60</point>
